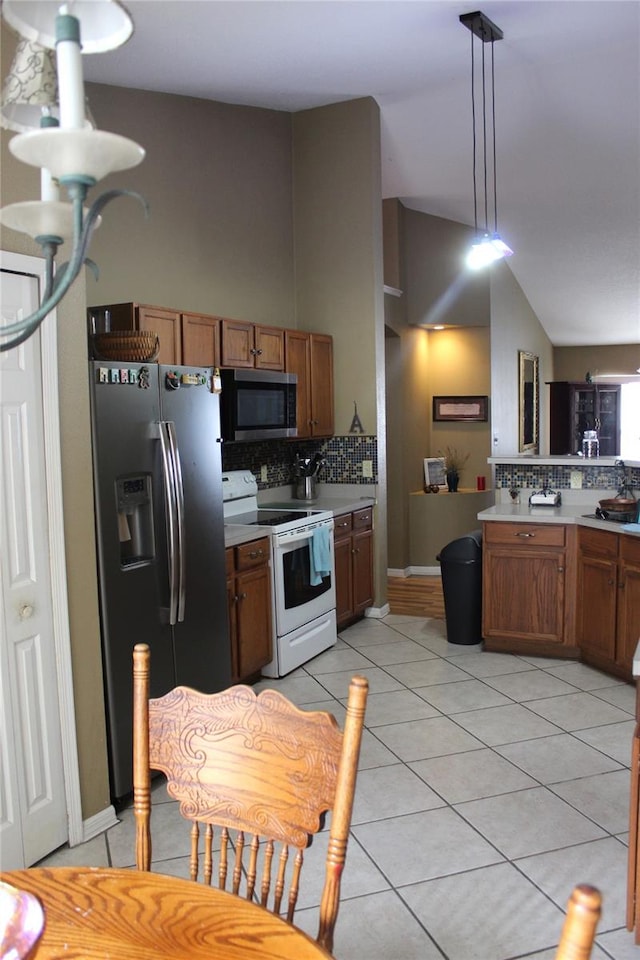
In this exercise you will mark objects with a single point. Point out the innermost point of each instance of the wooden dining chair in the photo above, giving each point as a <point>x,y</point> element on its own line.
<point>579,928</point>
<point>259,766</point>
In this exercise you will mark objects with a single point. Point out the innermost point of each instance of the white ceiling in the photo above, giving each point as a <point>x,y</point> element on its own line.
<point>567,118</point>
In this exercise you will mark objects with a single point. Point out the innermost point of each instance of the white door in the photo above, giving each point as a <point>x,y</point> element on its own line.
<point>33,807</point>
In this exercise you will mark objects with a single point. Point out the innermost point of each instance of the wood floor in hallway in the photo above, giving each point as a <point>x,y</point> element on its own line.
<point>416,596</point>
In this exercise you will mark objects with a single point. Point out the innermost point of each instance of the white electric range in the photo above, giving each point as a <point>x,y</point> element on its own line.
<point>303,595</point>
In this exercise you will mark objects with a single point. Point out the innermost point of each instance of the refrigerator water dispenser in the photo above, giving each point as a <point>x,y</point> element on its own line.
<point>135,520</point>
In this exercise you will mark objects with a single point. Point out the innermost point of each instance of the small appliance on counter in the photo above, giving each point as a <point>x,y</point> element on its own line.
<point>545,498</point>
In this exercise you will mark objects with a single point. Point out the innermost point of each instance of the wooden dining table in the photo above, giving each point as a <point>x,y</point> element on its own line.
<point>100,913</point>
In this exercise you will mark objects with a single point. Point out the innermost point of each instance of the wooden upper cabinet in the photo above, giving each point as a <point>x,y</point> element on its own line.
<point>310,357</point>
<point>246,344</point>
<point>200,340</point>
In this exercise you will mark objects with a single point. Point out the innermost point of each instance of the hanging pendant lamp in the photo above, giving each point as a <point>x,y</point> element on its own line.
<point>488,246</point>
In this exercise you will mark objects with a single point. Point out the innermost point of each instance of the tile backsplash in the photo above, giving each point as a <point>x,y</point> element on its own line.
<point>532,475</point>
<point>344,456</point>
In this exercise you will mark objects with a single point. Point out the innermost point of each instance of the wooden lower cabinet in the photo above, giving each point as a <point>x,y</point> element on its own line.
<point>528,588</point>
<point>353,552</point>
<point>249,600</point>
<point>608,609</point>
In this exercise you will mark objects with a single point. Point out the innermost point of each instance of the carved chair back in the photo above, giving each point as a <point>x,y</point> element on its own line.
<point>579,928</point>
<point>261,771</point>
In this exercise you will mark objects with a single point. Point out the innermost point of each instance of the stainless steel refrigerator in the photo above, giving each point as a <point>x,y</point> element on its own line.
<point>160,537</point>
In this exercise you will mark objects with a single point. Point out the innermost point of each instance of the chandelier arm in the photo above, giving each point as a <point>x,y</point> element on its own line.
<point>57,287</point>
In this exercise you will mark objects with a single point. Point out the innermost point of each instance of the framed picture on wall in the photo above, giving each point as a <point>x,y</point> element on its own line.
<point>461,408</point>
<point>434,472</point>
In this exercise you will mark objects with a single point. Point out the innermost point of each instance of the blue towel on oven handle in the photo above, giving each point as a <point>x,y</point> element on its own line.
<point>319,555</point>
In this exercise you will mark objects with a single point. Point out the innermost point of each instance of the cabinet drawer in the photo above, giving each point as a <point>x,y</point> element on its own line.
<point>252,554</point>
<point>599,543</point>
<point>539,535</point>
<point>363,519</point>
<point>342,526</point>
<point>629,548</point>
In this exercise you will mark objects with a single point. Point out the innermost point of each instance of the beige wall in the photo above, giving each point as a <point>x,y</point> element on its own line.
<point>217,179</point>
<point>572,363</point>
<point>514,327</point>
<point>460,365</point>
<point>339,267</point>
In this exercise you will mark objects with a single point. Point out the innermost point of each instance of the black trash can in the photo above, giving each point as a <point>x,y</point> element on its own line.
<point>461,565</point>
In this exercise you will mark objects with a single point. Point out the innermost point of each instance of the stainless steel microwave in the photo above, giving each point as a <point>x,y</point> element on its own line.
<point>258,405</point>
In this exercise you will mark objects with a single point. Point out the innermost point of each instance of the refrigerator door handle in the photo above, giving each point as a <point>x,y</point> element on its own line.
<point>172,522</point>
<point>179,494</point>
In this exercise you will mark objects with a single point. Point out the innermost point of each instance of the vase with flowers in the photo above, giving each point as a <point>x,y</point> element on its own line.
<point>453,465</point>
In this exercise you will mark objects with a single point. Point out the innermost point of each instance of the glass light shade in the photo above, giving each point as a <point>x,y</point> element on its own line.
<point>104,24</point>
<point>76,153</point>
<point>487,250</point>
<point>41,218</point>
<point>30,89</point>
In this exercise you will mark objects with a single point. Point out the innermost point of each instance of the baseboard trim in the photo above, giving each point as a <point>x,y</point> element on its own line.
<point>99,823</point>
<point>377,613</point>
<point>425,571</point>
<point>400,572</point>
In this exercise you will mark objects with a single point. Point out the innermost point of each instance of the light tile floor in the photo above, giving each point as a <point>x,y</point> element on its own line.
<point>489,785</point>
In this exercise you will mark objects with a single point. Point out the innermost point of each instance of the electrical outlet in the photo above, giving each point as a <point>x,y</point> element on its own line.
<point>575,479</point>
<point>367,468</point>
<point>264,473</point>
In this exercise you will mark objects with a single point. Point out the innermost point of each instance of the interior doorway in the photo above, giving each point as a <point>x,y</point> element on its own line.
<point>41,797</point>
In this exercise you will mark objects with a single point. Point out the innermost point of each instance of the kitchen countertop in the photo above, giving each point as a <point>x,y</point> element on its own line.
<point>565,513</point>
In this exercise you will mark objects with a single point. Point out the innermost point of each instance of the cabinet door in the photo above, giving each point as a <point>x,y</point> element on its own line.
<point>597,578</point>
<point>608,420</point>
<point>523,594</point>
<point>298,361</point>
<point>200,340</point>
<point>322,419</point>
<point>237,343</point>
<point>362,570</point>
<point>254,620</point>
<point>167,324</point>
<point>233,628</point>
<point>269,348</point>
<point>628,600</point>
<point>344,579</point>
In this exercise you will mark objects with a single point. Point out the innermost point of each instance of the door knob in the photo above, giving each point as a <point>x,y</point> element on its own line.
<point>26,611</point>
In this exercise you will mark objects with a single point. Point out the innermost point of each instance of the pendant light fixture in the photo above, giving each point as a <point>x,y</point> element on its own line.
<point>487,246</point>
<point>69,151</point>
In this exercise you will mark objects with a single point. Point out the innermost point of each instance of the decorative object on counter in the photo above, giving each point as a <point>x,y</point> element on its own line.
<point>587,377</point>
<point>514,493</point>
<point>431,488</point>
<point>487,247</point>
<point>481,483</point>
<point>356,423</point>
<point>590,444</point>
<point>454,464</point>
<point>461,408</point>
<point>528,418</point>
<point>69,151</point>
<point>545,498</point>
<point>435,473</point>
<point>305,472</point>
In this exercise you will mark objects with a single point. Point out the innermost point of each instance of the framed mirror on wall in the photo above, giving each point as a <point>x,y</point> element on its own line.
<point>528,408</point>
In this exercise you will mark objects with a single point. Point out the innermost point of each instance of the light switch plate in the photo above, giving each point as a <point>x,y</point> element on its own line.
<point>575,479</point>
<point>367,468</point>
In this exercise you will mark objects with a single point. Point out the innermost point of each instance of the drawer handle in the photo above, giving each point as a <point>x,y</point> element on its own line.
<point>345,523</point>
<point>525,534</point>
<point>254,554</point>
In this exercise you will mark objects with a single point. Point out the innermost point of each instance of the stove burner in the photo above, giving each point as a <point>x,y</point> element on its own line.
<point>267,518</point>
<point>615,516</point>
